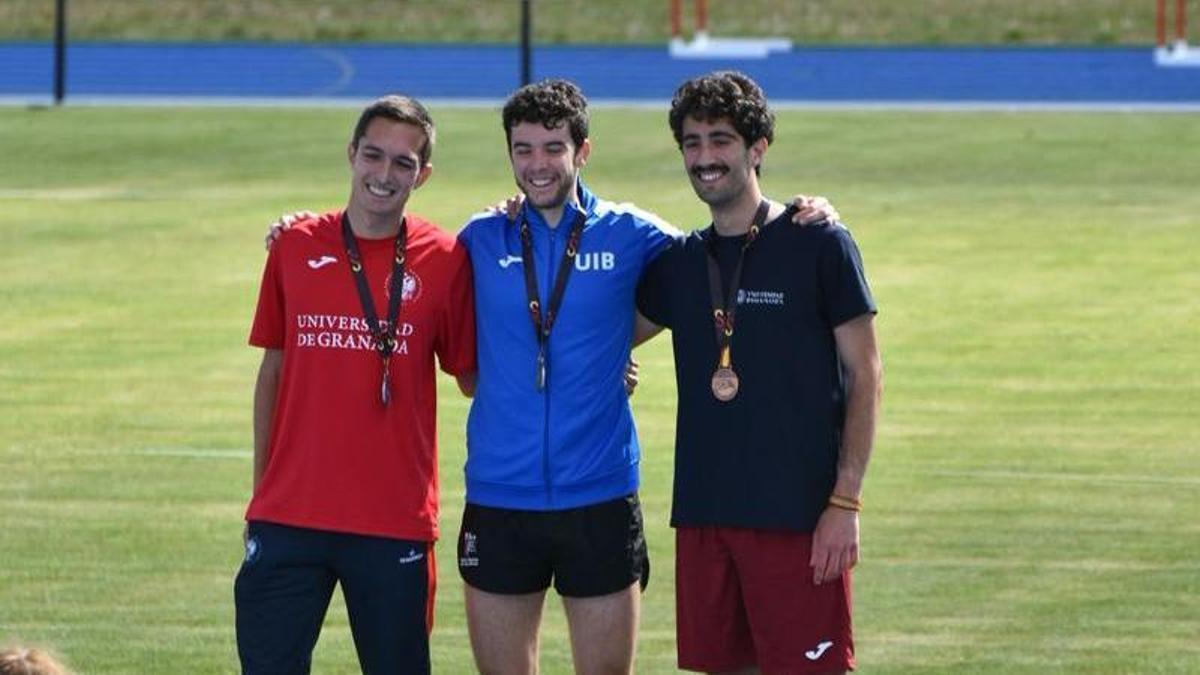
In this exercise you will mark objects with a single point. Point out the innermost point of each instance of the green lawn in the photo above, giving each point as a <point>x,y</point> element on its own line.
<point>1098,22</point>
<point>1033,501</point>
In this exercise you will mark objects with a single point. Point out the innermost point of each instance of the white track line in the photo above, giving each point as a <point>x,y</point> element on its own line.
<point>1069,477</point>
<point>197,453</point>
<point>1122,479</point>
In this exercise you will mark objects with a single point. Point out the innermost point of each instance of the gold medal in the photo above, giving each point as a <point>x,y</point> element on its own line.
<point>724,380</point>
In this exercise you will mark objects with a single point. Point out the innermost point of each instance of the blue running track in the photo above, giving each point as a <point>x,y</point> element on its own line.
<point>183,72</point>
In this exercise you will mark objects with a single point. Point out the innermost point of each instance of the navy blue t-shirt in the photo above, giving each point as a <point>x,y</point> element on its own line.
<point>768,458</point>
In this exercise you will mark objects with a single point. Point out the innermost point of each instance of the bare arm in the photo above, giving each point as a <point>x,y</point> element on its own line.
<point>835,541</point>
<point>265,390</point>
<point>859,352</point>
<point>643,328</point>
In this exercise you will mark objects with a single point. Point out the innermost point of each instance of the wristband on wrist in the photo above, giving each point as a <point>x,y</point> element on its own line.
<point>846,503</point>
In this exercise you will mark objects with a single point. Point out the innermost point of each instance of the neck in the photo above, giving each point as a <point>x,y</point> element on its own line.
<point>552,215</point>
<point>373,226</point>
<point>734,218</point>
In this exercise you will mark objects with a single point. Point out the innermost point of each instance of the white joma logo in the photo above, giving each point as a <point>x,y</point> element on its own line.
<point>318,263</point>
<point>814,654</point>
<point>509,260</point>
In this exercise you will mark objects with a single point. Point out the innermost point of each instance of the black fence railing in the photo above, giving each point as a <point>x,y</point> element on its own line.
<point>61,39</point>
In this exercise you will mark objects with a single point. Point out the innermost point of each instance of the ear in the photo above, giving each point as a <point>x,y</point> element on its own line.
<point>581,155</point>
<point>758,150</point>
<point>350,152</point>
<point>423,175</point>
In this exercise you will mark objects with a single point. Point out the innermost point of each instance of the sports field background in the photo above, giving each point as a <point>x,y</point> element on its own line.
<point>1031,507</point>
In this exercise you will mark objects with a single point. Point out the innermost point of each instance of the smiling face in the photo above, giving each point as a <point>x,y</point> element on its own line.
<point>719,164</point>
<point>385,168</point>
<point>546,164</point>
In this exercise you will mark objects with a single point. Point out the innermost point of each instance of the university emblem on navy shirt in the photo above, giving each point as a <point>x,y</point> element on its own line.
<point>749,297</point>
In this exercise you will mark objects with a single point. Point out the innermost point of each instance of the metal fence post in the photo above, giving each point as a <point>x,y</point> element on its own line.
<point>60,51</point>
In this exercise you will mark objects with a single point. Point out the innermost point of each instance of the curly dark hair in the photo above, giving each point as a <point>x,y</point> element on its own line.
<point>549,103</point>
<point>398,108</point>
<point>725,94</point>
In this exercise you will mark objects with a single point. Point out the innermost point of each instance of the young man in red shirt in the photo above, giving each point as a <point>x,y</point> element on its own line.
<point>355,306</point>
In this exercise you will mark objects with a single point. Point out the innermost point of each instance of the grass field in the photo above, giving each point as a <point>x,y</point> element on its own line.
<point>808,21</point>
<point>1032,505</point>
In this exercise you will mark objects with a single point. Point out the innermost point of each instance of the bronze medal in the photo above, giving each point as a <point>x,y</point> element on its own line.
<point>724,306</point>
<point>724,384</point>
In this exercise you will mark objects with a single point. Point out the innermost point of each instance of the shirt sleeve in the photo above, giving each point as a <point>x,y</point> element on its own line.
<point>269,328</point>
<point>844,289</point>
<point>654,287</point>
<point>465,235</point>
<point>657,235</point>
<point>455,345</point>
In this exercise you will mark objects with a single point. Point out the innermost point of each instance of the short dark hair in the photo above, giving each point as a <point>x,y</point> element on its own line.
<point>550,103</point>
<point>724,94</point>
<point>398,108</point>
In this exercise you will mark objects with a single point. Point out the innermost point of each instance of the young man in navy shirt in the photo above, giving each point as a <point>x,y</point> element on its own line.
<point>779,376</point>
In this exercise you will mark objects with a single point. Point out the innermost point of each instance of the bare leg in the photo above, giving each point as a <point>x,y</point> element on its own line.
<point>504,631</point>
<point>604,631</point>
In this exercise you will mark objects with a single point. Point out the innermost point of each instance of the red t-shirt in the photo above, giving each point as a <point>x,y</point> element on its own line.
<point>339,459</point>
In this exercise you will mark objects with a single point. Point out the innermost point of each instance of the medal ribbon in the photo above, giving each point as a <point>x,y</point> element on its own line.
<point>543,322</point>
<point>385,340</point>
<point>724,305</point>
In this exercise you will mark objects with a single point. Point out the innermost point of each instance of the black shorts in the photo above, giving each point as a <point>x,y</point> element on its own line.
<point>588,551</point>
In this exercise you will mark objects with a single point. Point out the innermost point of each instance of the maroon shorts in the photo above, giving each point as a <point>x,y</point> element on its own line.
<point>746,597</point>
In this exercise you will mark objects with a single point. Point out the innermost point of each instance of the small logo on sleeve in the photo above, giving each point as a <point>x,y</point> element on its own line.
<point>509,260</point>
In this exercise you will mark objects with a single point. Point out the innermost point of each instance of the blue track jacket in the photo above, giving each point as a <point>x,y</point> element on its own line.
<point>574,443</point>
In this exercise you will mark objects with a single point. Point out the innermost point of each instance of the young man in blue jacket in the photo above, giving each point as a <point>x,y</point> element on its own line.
<point>552,461</point>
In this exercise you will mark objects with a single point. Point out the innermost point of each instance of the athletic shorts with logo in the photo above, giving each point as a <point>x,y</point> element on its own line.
<point>587,551</point>
<point>746,597</point>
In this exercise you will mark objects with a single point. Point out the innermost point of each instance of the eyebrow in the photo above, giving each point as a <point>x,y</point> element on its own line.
<point>719,133</point>
<point>544,144</point>
<point>371,147</point>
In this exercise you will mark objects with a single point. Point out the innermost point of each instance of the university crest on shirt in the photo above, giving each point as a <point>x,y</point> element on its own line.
<point>411,290</point>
